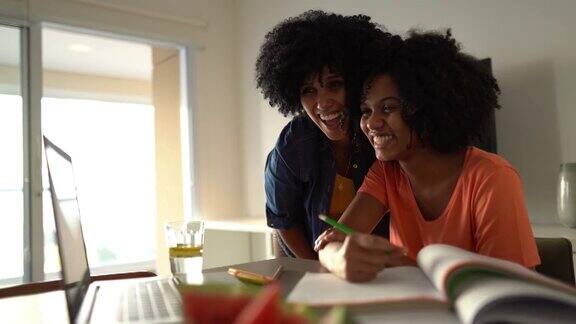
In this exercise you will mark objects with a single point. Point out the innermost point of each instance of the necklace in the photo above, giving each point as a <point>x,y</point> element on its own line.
<point>340,184</point>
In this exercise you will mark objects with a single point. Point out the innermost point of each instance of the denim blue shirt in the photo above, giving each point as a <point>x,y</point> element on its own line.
<point>299,178</point>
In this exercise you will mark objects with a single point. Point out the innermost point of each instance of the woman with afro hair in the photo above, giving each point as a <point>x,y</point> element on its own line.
<point>307,68</point>
<point>424,103</point>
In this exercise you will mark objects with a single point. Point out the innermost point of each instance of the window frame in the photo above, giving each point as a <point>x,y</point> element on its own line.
<point>30,221</point>
<point>31,83</point>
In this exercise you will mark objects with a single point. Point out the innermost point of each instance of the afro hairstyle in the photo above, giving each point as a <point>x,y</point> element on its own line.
<point>448,96</point>
<point>301,46</point>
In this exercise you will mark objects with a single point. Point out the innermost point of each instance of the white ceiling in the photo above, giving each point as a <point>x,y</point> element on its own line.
<point>107,57</point>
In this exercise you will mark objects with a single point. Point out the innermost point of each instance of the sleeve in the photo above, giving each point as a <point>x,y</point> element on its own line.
<point>284,193</point>
<point>375,184</point>
<point>502,227</point>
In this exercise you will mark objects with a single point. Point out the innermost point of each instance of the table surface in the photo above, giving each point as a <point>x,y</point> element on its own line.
<point>555,230</point>
<point>294,269</point>
<point>51,307</point>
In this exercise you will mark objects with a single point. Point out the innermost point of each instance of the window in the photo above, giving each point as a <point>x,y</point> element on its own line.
<point>112,146</point>
<point>101,114</point>
<point>106,102</point>
<point>12,161</point>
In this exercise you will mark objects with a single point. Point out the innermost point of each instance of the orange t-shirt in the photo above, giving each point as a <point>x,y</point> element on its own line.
<point>486,213</point>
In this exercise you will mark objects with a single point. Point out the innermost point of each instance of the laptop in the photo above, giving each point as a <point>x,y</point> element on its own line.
<point>144,300</point>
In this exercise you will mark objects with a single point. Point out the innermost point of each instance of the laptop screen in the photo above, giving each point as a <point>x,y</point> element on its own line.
<point>73,259</point>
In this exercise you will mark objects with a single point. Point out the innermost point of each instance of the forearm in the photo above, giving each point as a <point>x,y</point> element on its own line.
<point>363,213</point>
<point>296,241</point>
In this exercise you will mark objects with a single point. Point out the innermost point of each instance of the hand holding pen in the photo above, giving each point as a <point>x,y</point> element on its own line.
<point>359,256</point>
<point>339,232</point>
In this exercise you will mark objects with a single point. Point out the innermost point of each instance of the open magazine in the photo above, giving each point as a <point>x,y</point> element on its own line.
<point>481,289</point>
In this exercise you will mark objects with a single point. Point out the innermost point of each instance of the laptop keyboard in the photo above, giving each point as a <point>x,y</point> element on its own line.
<point>152,301</point>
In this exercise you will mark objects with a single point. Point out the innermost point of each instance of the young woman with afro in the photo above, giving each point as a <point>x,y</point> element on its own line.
<point>423,105</point>
<point>307,68</point>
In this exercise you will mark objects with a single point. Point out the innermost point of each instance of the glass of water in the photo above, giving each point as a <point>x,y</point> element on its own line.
<point>185,241</point>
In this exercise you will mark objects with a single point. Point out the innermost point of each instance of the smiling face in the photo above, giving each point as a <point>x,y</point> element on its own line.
<point>382,120</point>
<point>323,97</point>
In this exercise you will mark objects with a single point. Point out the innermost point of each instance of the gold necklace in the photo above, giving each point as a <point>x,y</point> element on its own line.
<point>340,184</point>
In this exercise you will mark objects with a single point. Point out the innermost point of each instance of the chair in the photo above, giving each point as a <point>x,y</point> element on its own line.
<point>556,258</point>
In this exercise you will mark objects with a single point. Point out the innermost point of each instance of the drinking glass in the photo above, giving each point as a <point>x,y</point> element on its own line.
<point>185,241</point>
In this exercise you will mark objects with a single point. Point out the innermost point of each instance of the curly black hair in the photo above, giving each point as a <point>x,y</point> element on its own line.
<point>303,45</point>
<point>448,96</point>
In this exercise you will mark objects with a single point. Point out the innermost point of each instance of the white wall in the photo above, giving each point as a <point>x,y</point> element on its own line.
<point>533,49</point>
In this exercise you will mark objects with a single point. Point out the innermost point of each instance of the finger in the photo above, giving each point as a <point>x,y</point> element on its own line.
<point>320,238</point>
<point>335,236</point>
<point>327,237</point>
<point>319,245</point>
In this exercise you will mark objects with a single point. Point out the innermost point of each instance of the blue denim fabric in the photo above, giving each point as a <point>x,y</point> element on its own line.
<point>299,178</point>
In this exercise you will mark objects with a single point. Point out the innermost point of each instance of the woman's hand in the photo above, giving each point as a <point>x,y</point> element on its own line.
<point>359,257</point>
<point>329,235</point>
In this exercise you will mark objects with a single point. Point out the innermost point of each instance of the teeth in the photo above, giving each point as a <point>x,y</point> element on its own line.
<point>330,117</point>
<point>382,139</point>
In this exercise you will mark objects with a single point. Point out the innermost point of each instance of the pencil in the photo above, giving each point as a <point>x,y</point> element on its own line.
<point>252,277</point>
<point>339,226</point>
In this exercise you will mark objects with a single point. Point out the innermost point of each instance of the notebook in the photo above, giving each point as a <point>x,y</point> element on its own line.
<point>148,300</point>
<point>481,289</point>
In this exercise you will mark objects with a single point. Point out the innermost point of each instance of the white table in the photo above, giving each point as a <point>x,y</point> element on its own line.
<point>294,269</point>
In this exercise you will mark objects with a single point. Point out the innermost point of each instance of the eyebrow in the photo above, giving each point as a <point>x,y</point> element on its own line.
<point>390,97</point>
<point>333,76</point>
<point>383,100</point>
<point>363,103</point>
<point>327,77</point>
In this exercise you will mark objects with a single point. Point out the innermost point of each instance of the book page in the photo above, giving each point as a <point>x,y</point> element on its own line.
<point>504,300</point>
<point>439,262</point>
<point>397,284</point>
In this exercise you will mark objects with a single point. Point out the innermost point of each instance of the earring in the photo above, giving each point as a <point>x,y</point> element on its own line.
<point>342,119</point>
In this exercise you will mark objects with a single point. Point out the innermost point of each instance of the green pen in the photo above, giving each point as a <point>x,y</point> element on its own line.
<point>339,226</point>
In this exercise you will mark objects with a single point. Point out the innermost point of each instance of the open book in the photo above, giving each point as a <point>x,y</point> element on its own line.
<point>481,289</point>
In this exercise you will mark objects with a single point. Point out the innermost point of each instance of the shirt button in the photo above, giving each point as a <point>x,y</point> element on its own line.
<point>355,166</point>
